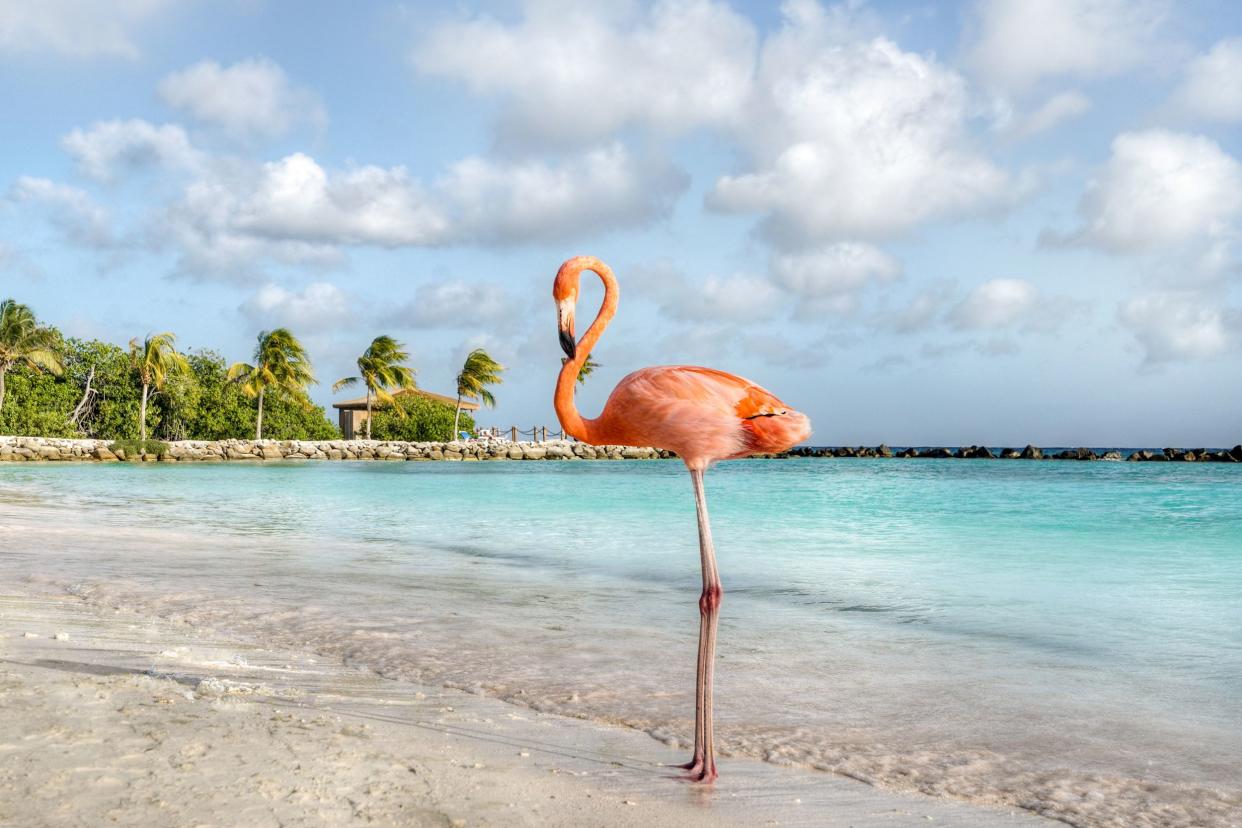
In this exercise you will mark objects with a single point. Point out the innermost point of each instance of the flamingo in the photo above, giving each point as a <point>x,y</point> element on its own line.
<point>702,415</point>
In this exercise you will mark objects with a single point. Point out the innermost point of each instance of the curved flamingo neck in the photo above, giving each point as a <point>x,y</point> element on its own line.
<point>566,410</point>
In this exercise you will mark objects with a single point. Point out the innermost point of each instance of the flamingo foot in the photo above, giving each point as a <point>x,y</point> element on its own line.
<point>702,772</point>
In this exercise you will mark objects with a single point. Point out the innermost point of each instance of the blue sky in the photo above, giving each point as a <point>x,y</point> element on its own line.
<point>999,222</point>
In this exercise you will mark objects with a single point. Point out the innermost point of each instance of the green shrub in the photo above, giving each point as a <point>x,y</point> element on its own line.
<point>134,449</point>
<point>201,405</point>
<point>425,421</point>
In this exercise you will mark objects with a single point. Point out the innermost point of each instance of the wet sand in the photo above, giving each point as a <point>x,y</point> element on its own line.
<point>114,718</point>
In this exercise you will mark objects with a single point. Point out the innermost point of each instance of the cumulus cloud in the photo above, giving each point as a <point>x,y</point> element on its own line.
<point>519,201</point>
<point>1178,326</point>
<point>1211,88</point>
<point>75,28</point>
<point>1160,189</point>
<point>1059,108</point>
<point>996,304</point>
<point>854,139</point>
<point>736,298</point>
<point>319,306</point>
<point>833,277</point>
<point>299,211</point>
<point>251,98</point>
<point>923,311</point>
<point>577,73</point>
<point>454,304</point>
<point>1017,43</point>
<point>296,199</point>
<point>112,147</point>
<point>71,209</point>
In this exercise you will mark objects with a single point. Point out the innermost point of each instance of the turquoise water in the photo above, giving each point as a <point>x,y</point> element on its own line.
<point>1017,631</point>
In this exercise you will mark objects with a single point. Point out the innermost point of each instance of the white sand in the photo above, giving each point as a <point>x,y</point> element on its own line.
<point>110,718</point>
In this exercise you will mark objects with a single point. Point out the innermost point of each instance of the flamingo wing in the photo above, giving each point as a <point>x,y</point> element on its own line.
<point>700,413</point>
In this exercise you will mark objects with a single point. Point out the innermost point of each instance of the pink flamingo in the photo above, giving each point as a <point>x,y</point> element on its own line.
<point>700,414</point>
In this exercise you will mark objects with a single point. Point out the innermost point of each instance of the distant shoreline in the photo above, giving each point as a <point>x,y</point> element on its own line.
<point>41,449</point>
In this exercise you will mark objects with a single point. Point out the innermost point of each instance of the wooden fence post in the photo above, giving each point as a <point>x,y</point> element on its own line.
<point>513,433</point>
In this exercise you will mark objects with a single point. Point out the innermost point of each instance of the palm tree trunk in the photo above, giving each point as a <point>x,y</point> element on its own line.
<point>4,369</point>
<point>456,418</point>
<point>368,413</point>
<point>142,414</point>
<point>258,424</point>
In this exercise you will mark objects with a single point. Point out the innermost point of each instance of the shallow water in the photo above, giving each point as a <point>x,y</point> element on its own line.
<point>1062,636</point>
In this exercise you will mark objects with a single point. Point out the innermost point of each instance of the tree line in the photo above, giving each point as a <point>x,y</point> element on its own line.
<point>54,386</point>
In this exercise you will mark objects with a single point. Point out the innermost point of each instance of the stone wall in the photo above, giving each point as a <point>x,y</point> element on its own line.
<point>21,449</point>
<point>35,449</point>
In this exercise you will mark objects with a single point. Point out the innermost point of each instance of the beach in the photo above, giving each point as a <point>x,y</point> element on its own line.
<point>114,718</point>
<point>896,639</point>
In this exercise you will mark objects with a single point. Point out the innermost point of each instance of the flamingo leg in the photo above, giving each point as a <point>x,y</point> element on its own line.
<point>702,767</point>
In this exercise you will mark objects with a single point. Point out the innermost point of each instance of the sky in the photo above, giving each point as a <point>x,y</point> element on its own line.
<point>998,222</point>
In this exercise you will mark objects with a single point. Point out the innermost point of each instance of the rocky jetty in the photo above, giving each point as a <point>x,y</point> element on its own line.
<point>36,449</point>
<point>1199,455</point>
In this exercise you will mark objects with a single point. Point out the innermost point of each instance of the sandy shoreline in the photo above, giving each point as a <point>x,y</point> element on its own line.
<point>116,718</point>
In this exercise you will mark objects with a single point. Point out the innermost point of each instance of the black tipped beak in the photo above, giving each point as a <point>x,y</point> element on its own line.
<point>568,345</point>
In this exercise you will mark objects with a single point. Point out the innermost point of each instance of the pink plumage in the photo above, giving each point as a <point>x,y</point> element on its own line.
<point>701,414</point>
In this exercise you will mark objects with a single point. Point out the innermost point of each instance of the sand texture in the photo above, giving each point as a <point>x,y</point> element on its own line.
<point>112,718</point>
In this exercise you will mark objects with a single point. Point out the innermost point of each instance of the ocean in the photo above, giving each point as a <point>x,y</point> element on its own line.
<point>1061,636</point>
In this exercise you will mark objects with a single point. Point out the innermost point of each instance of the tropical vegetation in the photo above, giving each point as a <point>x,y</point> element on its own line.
<point>281,367</point>
<point>381,371</point>
<point>154,359</point>
<point>23,341</point>
<point>588,367</point>
<point>151,393</point>
<point>419,419</point>
<point>477,373</point>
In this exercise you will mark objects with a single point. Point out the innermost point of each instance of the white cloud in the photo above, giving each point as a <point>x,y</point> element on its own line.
<point>921,313</point>
<point>455,304</point>
<point>1174,326</point>
<point>1017,43</point>
<point>494,202</point>
<point>74,28</point>
<point>294,210</point>
<point>996,304</point>
<point>1160,189</point>
<point>112,147</point>
<point>577,73</point>
<point>833,277</point>
<point>1212,86</point>
<point>854,139</point>
<point>318,306</point>
<point>1059,108</point>
<point>251,98</point>
<point>71,209</point>
<point>296,199</point>
<point>734,298</point>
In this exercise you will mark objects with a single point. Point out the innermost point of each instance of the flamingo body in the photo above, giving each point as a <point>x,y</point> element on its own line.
<point>701,414</point>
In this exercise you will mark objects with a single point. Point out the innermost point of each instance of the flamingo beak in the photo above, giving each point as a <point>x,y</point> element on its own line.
<point>565,325</point>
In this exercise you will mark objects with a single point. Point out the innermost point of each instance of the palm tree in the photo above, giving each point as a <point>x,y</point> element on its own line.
<point>280,366</point>
<point>479,371</point>
<point>154,359</point>
<point>23,341</point>
<point>587,367</point>
<point>381,371</point>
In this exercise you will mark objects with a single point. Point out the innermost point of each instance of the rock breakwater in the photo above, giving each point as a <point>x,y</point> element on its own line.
<point>38,449</point>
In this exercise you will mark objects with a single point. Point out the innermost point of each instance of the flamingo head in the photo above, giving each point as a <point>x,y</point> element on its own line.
<point>565,292</point>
